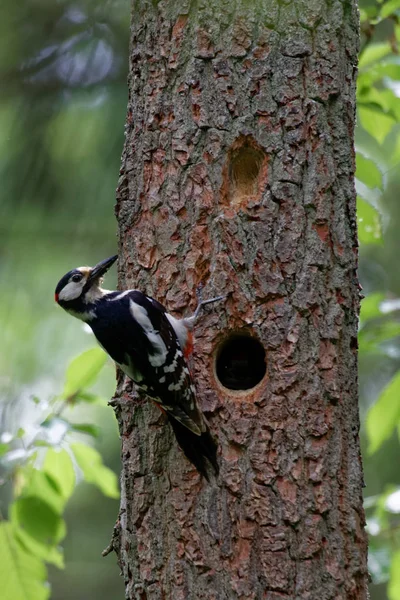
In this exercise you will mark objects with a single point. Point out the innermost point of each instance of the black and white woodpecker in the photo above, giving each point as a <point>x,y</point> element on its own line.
<point>150,346</point>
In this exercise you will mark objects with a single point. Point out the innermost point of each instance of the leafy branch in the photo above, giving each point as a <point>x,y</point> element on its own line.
<point>44,472</point>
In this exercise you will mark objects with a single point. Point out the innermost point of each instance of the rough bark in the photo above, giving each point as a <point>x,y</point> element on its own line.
<point>237,172</point>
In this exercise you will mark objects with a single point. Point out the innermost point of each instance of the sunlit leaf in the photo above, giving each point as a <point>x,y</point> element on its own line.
<point>373,53</point>
<point>370,307</point>
<point>94,471</point>
<point>376,122</point>
<point>382,100</point>
<point>42,444</point>
<point>38,519</point>
<point>91,398</point>
<point>22,574</point>
<point>47,552</point>
<point>384,415</point>
<point>83,370</point>
<point>394,582</point>
<point>3,449</point>
<point>59,467</point>
<point>389,8</point>
<point>368,172</point>
<point>369,223</point>
<point>373,335</point>
<point>38,483</point>
<point>382,72</point>
<point>88,428</point>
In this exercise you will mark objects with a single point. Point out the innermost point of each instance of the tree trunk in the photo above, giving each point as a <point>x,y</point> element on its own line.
<point>237,173</point>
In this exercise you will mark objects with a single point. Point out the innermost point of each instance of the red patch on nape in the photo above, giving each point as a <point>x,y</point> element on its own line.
<point>56,298</point>
<point>188,349</point>
<point>160,407</point>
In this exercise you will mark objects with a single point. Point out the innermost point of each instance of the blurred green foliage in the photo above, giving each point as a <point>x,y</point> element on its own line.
<point>63,98</point>
<point>45,465</point>
<point>63,69</point>
<point>378,159</point>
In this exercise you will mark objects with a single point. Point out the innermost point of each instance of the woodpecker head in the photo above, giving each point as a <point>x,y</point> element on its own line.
<point>81,287</point>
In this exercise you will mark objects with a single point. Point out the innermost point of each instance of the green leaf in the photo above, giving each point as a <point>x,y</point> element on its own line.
<point>369,223</point>
<point>4,448</point>
<point>374,53</point>
<point>377,123</point>
<point>91,398</point>
<point>42,444</point>
<point>22,575</point>
<point>368,172</point>
<point>48,553</point>
<point>58,465</point>
<point>40,484</point>
<point>90,462</point>
<point>38,520</point>
<point>388,9</point>
<point>88,428</point>
<point>83,370</point>
<point>380,100</point>
<point>370,307</point>
<point>383,417</point>
<point>372,335</point>
<point>394,582</point>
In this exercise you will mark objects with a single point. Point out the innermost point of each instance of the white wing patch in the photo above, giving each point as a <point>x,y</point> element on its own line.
<point>121,295</point>
<point>160,350</point>
<point>179,384</point>
<point>172,367</point>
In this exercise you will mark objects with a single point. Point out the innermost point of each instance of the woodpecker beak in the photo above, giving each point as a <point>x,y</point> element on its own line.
<point>102,267</point>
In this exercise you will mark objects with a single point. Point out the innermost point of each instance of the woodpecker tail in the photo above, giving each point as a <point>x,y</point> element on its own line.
<point>199,449</point>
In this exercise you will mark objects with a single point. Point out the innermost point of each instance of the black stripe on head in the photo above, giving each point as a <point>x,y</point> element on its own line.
<point>64,280</point>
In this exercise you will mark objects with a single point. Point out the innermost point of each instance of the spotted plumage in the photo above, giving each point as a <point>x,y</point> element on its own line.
<point>149,345</point>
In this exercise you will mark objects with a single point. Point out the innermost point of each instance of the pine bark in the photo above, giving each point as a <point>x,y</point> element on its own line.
<point>237,173</point>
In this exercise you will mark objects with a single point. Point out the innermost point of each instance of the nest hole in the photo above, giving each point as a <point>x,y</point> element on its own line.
<point>240,362</point>
<point>244,172</point>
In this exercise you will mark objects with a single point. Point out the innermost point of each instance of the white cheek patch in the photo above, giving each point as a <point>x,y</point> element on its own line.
<point>72,290</point>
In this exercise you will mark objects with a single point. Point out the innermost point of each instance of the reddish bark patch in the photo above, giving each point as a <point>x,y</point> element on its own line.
<point>323,231</point>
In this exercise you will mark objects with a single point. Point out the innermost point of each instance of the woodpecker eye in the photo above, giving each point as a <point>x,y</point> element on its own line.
<point>76,278</point>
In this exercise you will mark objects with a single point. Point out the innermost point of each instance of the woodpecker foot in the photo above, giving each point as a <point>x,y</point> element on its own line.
<point>201,303</point>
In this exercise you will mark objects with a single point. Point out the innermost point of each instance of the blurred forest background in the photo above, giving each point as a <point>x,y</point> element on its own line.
<point>63,69</point>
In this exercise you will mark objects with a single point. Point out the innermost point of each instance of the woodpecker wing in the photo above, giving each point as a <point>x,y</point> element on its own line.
<point>135,332</point>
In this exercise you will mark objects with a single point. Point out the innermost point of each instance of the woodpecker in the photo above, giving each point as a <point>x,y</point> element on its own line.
<point>150,346</point>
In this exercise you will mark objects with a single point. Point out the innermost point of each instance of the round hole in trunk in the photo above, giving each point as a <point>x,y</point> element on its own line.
<point>240,362</point>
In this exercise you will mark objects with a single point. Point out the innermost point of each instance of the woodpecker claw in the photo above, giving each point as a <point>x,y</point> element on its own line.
<point>199,293</point>
<point>202,303</point>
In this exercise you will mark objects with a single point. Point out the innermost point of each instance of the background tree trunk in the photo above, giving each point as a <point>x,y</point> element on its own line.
<point>237,172</point>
